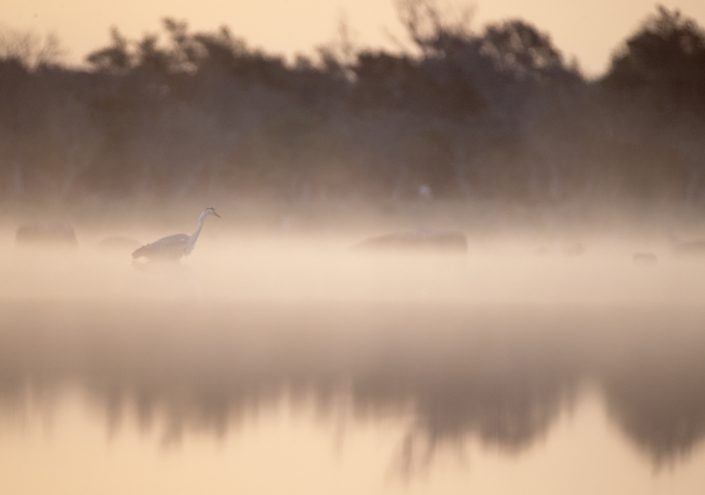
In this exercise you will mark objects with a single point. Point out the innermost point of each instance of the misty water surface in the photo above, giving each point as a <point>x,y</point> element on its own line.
<point>283,364</point>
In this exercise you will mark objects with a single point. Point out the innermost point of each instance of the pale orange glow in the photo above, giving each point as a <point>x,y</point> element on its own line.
<point>468,270</point>
<point>273,361</point>
<point>290,450</point>
<point>588,31</point>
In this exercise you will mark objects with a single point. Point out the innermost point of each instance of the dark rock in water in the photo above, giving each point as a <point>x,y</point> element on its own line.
<point>574,249</point>
<point>691,247</point>
<point>417,241</point>
<point>644,259</point>
<point>118,244</point>
<point>542,251</point>
<point>695,247</point>
<point>55,234</point>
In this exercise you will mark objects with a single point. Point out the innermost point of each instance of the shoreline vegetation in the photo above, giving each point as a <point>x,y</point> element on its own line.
<point>491,117</point>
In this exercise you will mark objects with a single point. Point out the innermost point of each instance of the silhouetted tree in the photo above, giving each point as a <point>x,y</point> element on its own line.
<point>115,58</point>
<point>665,59</point>
<point>494,113</point>
<point>521,50</point>
<point>399,82</point>
<point>29,49</point>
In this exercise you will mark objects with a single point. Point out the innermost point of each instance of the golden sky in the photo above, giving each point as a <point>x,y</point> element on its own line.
<point>589,31</point>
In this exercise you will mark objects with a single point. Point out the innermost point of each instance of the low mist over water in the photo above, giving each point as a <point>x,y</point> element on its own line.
<point>459,267</point>
<point>330,252</point>
<point>540,355</point>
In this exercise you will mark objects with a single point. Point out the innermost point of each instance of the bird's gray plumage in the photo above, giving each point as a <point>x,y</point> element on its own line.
<point>173,247</point>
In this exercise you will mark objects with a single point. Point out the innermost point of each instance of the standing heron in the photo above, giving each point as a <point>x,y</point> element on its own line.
<point>173,247</point>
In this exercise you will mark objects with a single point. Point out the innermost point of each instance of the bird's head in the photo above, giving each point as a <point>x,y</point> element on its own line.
<point>211,211</point>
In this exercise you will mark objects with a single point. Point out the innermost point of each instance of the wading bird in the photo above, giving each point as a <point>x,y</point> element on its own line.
<point>175,246</point>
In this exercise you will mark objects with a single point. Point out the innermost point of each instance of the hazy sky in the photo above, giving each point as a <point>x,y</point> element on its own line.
<point>590,31</point>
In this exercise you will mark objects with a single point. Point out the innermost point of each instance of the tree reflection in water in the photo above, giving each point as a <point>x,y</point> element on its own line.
<point>655,392</point>
<point>499,375</point>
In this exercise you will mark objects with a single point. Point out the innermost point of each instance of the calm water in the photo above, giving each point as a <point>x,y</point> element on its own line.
<point>301,370</point>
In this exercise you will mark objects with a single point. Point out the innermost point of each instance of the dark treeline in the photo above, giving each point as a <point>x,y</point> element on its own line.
<point>496,114</point>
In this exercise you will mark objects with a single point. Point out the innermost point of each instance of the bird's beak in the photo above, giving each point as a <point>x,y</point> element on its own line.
<point>214,213</point>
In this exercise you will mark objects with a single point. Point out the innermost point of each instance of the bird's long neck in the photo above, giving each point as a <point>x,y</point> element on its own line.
<point>192,239</point>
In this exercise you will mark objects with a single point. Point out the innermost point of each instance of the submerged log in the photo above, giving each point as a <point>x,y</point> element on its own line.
<point>644,259</point>
<point>695,248</point>
<point>686,248</point>
<point>51,234</point>
<point>416,241</point>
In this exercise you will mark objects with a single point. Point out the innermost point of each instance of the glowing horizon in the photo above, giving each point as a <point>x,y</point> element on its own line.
<point>588,33</point>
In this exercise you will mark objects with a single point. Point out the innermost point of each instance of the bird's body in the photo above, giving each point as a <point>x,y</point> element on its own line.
<point>173,247</point>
